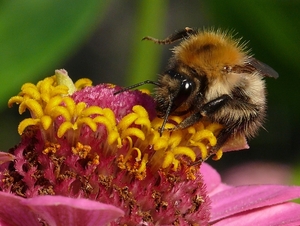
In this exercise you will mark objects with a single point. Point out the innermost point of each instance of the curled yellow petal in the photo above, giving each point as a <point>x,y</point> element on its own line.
<point>218,155</point>
<point>185,151</point>
<point>162,144</point>
<point>127,121</point>
<point>27,86</point>
<point>133,132</point>
<point>110,115</point>
<point>168,159</point>
<point>46,121</point>
<point>54,102</point>
<point>64,127</point>
<point>69,103</point>
<point>27,122</point>
<point>139,154</point>
<point>176,164</point>
<point>32,92</point>
<point>140,110</point>
<point>143,122</point>
<point>91,111</point>
<point>144,161</point>
<point>202,148</point>
<point>34,107</point>
<point>205,134</point>
<point>175,139</point>
<point>112,137</point>
<point>15,99</point>
<point>59,90</point>
<point>87,121</point>
<point>61,111</point>
<point>83,82</point>
<point>79,107</point>
<point>103,120</point>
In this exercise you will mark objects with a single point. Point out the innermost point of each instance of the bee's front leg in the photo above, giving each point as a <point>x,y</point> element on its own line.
<point>206,110</point>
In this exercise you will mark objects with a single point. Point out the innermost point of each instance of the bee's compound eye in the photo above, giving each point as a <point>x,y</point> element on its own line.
<point>184,90</point>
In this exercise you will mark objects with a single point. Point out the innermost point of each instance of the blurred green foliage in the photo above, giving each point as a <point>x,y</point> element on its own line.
<point>103,39</point>
<point>35,35</point>
<point>146,23</point>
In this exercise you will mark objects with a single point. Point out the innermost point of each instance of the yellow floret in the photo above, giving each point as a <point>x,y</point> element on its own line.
<point>135,136</point>
<point>83,82</point>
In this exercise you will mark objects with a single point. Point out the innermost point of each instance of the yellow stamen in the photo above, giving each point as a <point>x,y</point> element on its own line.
<point>133,132</point>
<point>79,108</point>
<point>91,111</point>
<point>64,127</point>
<point>87,121</point>
<point>31,91</point>
<point>140,111</point>
<point>46,122</point>
<point>218,155</point>
<point>34,107</point>
<point>61,111</point>
<point>127,121</point>
<point>205,134</point>
<point>168,159</point>
<point>83,82</point>
<point>138,139</point>
<point>25,123</point>
<point>70,104</point>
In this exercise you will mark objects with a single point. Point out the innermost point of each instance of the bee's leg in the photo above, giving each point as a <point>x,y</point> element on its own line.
<point>206,110</point>
<point>209,109</point>
<point>214,105</point>
<point>223,137</point>
<point>174,37</point>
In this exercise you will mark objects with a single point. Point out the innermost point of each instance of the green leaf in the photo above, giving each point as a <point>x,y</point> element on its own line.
<point>146,56</point>
<point>36,35</point>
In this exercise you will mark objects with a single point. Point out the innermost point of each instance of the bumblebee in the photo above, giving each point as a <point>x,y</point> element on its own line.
<point>211,74</point>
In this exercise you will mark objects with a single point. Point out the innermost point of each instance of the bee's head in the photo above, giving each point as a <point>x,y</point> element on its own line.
<point>173,93</point>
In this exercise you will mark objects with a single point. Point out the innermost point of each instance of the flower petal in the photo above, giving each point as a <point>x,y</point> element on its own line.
<point>210,176</point>
<point>247,198</point>
<point>59,210</point>
<point>13,212</point>
<point>287,214</point>
<point>6,157</point>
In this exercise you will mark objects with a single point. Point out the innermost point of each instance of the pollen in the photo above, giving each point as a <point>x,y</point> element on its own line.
<point>51,148</point>
<point>97,131</point>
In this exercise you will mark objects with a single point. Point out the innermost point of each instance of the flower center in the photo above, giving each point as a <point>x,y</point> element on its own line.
<point>124,132</point>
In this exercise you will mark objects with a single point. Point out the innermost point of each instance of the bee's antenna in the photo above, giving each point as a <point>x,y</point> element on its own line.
<point>137,85</point>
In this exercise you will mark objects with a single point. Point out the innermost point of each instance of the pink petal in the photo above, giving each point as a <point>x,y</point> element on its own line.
<point>210,176</point>
<point>59,210</point>
<point>13,212</point>
<point>245,198</point>
<point>287,214</point>
<point>258,172</point>
<point>6,157</point>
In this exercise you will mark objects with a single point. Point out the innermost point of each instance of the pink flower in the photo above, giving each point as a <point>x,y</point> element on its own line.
<point>54,210</point>
<point>250,204</point>
<point>89,157</point>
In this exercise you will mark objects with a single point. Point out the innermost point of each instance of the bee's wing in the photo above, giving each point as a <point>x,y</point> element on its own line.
<point>262,68</point>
